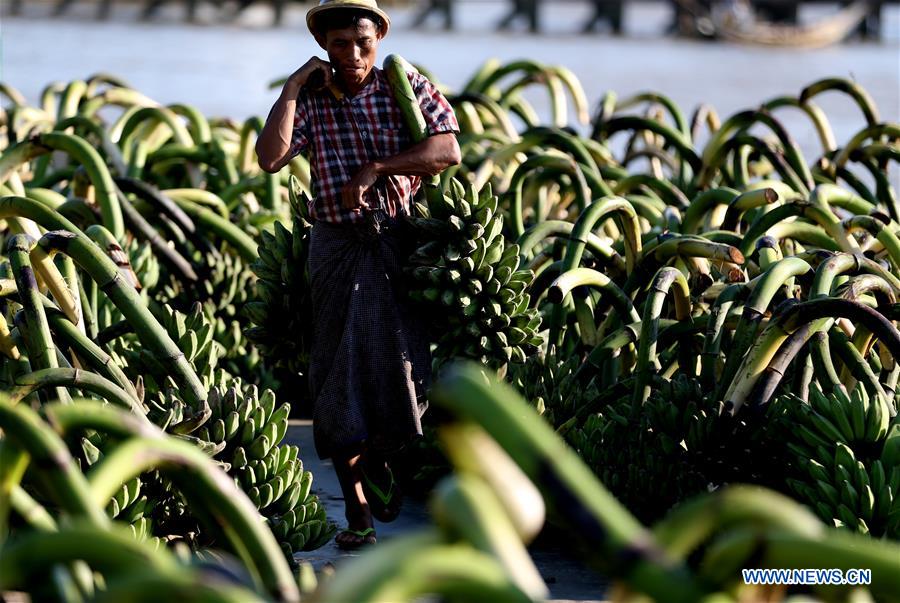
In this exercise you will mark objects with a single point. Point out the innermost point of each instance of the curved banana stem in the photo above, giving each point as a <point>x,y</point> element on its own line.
<point>702,204</point>
<point>111,551</point>
<point>872,132</point>
<point>474,452</point>
<point>538,233</point>
<point>670,194</point>
<point>594,214</point>
<point>780,548</point>
<point>83,154</point>
<point>712,344</point>
<point>663,282</point>
<point>222,227</point>
<point>851,88</point>
<point>214,496</point>
<point>696,521</point>
<point>770,379</point>
<point>882,232</point>
<point>151,334</point>
<point>671,136</point>
<point>818,311</point>
<point>855,364</point>
<point>588,277</point>
<point>41,349</point>
<point>818,213</point>
<point>823,363</point>
<point>59,477</point>
<point>468,509</point>
<point>755,309</point>
<point>843,263</point>
<point>614,537</point>
<point>58,377</point>
<point>748,200</point>
<point>815,114</point>
<point>110,150</point>
<point>563,165</point>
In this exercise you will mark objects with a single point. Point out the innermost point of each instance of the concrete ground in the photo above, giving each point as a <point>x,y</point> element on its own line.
<point>567,578</point>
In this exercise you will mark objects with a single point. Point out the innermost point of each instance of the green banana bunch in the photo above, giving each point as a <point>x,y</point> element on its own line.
<point>193,332</point>
<point>225,289</point>
<point>550,382</point>
<point>279,310</point>
<point>845,459</point>
<point>467,273</point>
<point>247,429</point>
<point>130,505</point>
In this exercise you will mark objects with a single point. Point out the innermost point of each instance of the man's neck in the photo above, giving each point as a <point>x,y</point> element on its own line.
<point>353,90</point>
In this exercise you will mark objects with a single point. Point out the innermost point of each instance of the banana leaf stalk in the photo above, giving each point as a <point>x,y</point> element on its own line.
<point>211,494</point>
<point>60,478</point>
<point>151,334</point>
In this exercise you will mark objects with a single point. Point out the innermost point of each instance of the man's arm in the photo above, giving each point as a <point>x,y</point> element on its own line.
<point>427,158</point>
<point>273,147</point>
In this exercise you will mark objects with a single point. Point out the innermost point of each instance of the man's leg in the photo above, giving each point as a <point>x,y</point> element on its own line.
<point>359,518</point>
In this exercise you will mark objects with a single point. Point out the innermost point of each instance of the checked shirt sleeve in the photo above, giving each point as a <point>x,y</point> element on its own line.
<point>300,132</point>
<point>436,109</point>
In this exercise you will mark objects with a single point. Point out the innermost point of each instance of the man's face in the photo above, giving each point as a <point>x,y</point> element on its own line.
<point>352,52</point>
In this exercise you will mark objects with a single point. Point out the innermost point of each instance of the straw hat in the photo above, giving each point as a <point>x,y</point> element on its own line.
<point>325,5</point>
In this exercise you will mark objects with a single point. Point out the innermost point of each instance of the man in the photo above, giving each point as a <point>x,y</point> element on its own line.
<point>370,363</point>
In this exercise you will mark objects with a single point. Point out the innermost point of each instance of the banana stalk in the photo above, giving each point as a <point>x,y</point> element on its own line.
<point>614,536</point>
<point>468,509</point>
<point>59,377</point>
<point>60,477</point>
<point>151,334</point>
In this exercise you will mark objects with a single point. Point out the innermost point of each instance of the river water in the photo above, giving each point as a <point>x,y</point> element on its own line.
<point>224,68</point>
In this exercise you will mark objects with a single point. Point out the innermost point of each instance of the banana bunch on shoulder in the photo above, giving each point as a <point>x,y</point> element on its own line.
<point>467,273</point>
<point>846,459</point>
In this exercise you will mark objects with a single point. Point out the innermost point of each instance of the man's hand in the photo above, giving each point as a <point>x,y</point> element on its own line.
<point>353,194</point>
<point>314,71</point>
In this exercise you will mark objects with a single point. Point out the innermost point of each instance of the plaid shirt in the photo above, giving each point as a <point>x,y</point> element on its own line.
<point>342,135</point>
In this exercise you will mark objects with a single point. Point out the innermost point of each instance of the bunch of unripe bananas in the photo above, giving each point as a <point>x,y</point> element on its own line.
<point>469,276</point>
<point>249,429</point>
<point>846,459</point>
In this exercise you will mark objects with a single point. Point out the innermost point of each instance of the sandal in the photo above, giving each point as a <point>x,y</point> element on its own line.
<point>362,538</point>
<point>385,506</point>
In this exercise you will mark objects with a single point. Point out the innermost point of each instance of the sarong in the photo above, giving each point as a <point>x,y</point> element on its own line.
<point>370,365</point>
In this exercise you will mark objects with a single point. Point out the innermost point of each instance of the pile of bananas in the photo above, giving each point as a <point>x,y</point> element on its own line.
<point>247,430</point>
<point>467,273</point>
<point>845,464</point>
